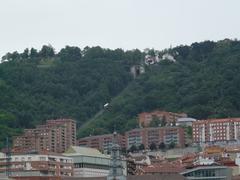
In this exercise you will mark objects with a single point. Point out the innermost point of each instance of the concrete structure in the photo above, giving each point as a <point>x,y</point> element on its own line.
<point>185,121</point>
<point>137,70</point>
<point>168,57</point>
<point>37,164</point>
<point>149,59</point>
<point>55,136</point>
<point>208,172</point>
<point>147,136</point>
<point>88,162</point>
<point>101,142</point>
<point>216,130</point>
<point>145,118</point>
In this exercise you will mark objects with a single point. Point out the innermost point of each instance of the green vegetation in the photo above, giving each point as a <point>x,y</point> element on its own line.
<point>204,83</point>
<point>36,86</point>
<point>74,83</point>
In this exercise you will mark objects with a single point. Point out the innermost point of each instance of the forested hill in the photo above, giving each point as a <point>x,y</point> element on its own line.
<point>39,85</point>
<point>204,82</point>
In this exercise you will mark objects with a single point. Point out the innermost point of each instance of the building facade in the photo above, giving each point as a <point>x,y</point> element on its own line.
<point>90,162</point>
<point>101,142</point>
<point>43,164</point>
<point>216,130</point>
<point>158,135</point>
<point>145,118</point>
<point>54,136</point>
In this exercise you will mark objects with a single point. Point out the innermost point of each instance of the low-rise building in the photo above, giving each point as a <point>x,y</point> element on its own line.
<point>185,121</point>
<point>36,164</point>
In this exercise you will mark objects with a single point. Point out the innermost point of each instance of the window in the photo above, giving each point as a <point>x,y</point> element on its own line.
<point>42,158</point>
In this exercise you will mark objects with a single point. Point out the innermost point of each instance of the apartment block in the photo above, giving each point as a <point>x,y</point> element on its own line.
<point>54,136</point>
<point>145,118</point>
<point>101,142</point>
<point>36,164</point>
<point>216,130</point>
<point>147,136</point>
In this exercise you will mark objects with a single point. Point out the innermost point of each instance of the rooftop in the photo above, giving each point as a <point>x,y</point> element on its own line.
<point>84,151</point>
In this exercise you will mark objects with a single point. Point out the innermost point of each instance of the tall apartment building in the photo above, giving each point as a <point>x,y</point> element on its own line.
<point>145,118</point>
<point>101,142</point>
<point>54,136</point>
<point>216,130</point>
<point>147,136</point>
<point>36,164</point>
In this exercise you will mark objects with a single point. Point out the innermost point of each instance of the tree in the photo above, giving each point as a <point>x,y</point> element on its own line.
<point>47,51</point>
<point>94,52</point>
<point>33,53</point>
<point>141,147</point>
<point>171,145</point>
<point>153,146</point>
<point>163,121</point>
<point>189,131</point>
<point>162,146</point>
<point>25,54</point>
<point>133,148</point>
<point>155,122</point>
<point>124,151</point>
<point>70,53</point>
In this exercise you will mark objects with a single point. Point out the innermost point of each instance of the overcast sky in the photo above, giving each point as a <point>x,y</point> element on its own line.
<point>126,24</point>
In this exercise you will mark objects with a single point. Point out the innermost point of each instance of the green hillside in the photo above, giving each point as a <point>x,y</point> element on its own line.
<point>36,86</point>
<point>204,82</point>
<point>39,85</point>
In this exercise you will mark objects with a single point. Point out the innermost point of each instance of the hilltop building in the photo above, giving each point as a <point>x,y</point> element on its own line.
<point>55,136</point>
<point>145,118</point>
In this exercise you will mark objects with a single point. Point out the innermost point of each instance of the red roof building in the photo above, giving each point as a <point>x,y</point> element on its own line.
<point>145,118</point>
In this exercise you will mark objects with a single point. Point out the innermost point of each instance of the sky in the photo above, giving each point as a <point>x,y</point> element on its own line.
<point>127,24</point>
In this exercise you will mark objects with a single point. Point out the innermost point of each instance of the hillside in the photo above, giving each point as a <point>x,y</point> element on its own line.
<point>39,85</point>
<point>204,82</point>
<point>36,86</point>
